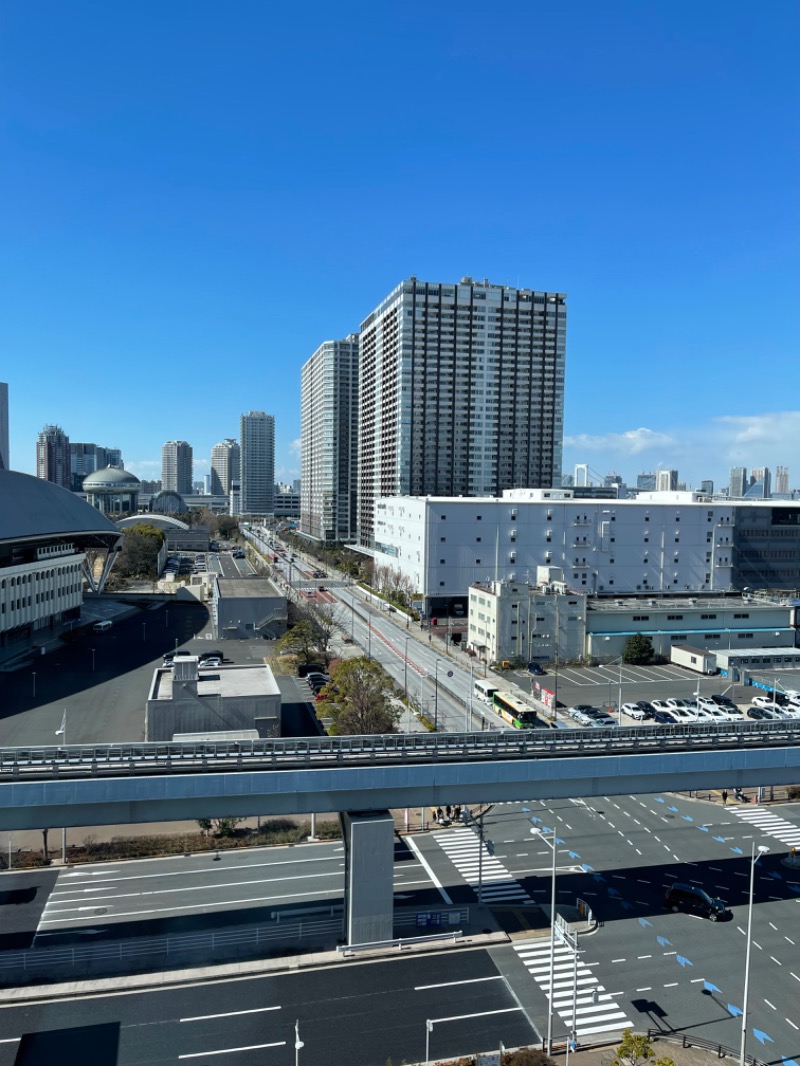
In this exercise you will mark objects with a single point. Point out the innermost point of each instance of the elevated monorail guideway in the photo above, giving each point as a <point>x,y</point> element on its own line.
<point>83,785</point>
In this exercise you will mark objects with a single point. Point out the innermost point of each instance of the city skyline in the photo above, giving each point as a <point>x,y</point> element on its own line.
<point>197,252</point>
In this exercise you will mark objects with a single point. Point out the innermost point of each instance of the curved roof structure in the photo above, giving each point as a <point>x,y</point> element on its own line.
<point>160,521</point>
<point>32,508</point>
<point>112,478</point>
<point>167,501</point>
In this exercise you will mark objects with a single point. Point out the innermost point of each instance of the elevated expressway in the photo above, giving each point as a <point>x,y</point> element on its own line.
<point>43,787</point>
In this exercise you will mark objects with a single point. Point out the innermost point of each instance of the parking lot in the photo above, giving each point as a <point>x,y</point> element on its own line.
<point>606,687</point>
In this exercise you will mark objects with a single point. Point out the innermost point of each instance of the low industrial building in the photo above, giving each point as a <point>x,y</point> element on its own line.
<point>248,608</point>
<point>738,662</point>
<point>549,621</point>
<point>190,698</point>
<point>660,544</point>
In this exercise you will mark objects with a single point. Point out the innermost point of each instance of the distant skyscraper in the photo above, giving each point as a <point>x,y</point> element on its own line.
<point>782,480</point>
<point>4,458</point>
<point>666,480</point>
<point>760,482</point>
<point>224,466</point>
<point>176,467</point>
<point>329,441</point>
<point>707,488</point>
<point>85,459</point>
<point>461,392</point>
<point>738,482</point>
<point>52,456</point>
<point>646,482</point>
<point>257,463</point>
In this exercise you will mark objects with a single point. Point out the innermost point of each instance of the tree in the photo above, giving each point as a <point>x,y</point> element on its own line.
<point>636,1049</point>
<point>138,556</point>
<point>301,640</point>
<point>638,650</point>
<point>227,526</point>
<point>362,700</point>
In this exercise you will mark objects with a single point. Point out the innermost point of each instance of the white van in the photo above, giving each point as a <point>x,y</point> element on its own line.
<point>101,627</point>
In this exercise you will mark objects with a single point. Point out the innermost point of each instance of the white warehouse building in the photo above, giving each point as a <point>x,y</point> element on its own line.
<point>657,544</point>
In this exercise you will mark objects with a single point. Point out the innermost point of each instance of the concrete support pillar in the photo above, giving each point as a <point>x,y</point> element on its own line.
<point>369,876</point>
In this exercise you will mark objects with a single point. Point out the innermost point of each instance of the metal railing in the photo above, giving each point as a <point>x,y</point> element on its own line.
<point>686,1040</point>
<point>120,760</point>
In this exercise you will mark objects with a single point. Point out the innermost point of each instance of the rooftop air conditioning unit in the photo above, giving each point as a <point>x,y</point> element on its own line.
<point>619,603</point>
<point>653,603</point>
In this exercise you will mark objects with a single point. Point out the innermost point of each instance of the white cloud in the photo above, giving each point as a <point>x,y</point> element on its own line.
<point>629,442</point>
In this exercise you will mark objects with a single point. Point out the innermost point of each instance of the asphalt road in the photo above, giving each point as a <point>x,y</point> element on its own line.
<point>354,1015</point>
<point>646,965</point>
<point>156,897</point>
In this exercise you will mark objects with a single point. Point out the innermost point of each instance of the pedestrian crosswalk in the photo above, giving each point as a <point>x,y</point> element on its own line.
<point>462,847</point>
<point>595,1009</point>
<point>770,823</point>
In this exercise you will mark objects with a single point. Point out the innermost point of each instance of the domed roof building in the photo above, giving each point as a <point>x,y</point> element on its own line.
<point>113,490</point>
<point>45,533</point>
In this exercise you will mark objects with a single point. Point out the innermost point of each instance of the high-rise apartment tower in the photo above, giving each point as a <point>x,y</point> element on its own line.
<point>461,392</point>
<point>224,466</point>
<point>4,459</point>
<point>176,467</point>
<point>782,480</point>
<point>329,441</point>
<point>257,463</point>
<point>52,456</point>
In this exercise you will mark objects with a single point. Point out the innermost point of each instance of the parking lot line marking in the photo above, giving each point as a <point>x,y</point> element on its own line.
<point>648,988</point>
<point>775,960</point>
<point>790,940</point>
<point>672,984</point>
<point>769,1004</point>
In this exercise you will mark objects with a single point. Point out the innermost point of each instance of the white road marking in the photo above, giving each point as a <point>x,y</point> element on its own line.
<point>453,984</point>
<point>231,1050</point>
<point>428,870</point>
<point>769,1004</point>
<point>228,1014</point>
<point>789,1020</point>
<point>776,961</point>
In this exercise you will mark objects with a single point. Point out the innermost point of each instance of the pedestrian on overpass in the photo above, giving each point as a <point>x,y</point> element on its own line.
<point>724,797</point>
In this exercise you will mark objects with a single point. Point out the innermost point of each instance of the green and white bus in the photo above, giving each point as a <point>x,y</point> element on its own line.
<point>514,711</point>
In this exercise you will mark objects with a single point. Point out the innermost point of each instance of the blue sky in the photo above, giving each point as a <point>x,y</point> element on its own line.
<point>194,195</point>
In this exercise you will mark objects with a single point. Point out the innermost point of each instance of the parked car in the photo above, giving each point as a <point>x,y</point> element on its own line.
<point>536,670</point>
<point>703,715</point>
<point>673,702</point>
<point>683,715</point>
<point>706,702</point>
<point>791,710</point>
<point>694,900</point>
<point>722,701</point>
<point>212,661</point>
<point>664,718</point>
<point>719,715</point>
<point>757,713</point>
<point>304,669</point>
<point>210,655</point>
<point>763,701</point>
<point>647,707</point>
<point>580,712</point>
<point>633,710</point>
<point>660,705</point>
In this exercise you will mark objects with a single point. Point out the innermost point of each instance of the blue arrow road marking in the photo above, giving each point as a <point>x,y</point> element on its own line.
<point>734,1011</point>
<point>707,985</point>
<point>683,961</point>
<point>688,818</point>
<point>762,1037</point>
<point>574,855</point>
<point>627,906</point>
<point>659,799</point>
<point>703,828</point>
<point>534,819</point>
<point>737,851</point>
<point>595,877</point>
<point>645,924</point>
<point>673,809</point>
<point>587,869</point>
<point>664,942</point>
<point>720,839</point>
<point>612,891</point>
<point>775,875</point>
<point>788,1062</point>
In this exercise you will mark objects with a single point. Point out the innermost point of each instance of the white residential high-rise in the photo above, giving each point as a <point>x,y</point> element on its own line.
<point>782,480</point>
<point>4,459</point>
<point>257,463</point>
<point>461,392</point>
<point>52,456</point>
<point>329,441</point>
<point>176,467</point>
<point>224,466</point>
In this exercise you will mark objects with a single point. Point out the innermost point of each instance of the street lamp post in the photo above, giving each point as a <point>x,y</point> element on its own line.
<point>92,651</point>
<point>405,668</point>
<point>554,845</point>
<point>762,850</point>
<point>33,675</point>
<point>436,696</point>
<point>428,1031</point>
<point>144,632</point>
<point>298,1043</point>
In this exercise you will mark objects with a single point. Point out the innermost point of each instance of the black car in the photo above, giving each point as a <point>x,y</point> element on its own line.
<point>724,701</point>
<point>663,718</point>
<point>693,900</point>
<point>647,708</point>
<point>536,670</point>
<point>304,669</point>
<point>758,713</point>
